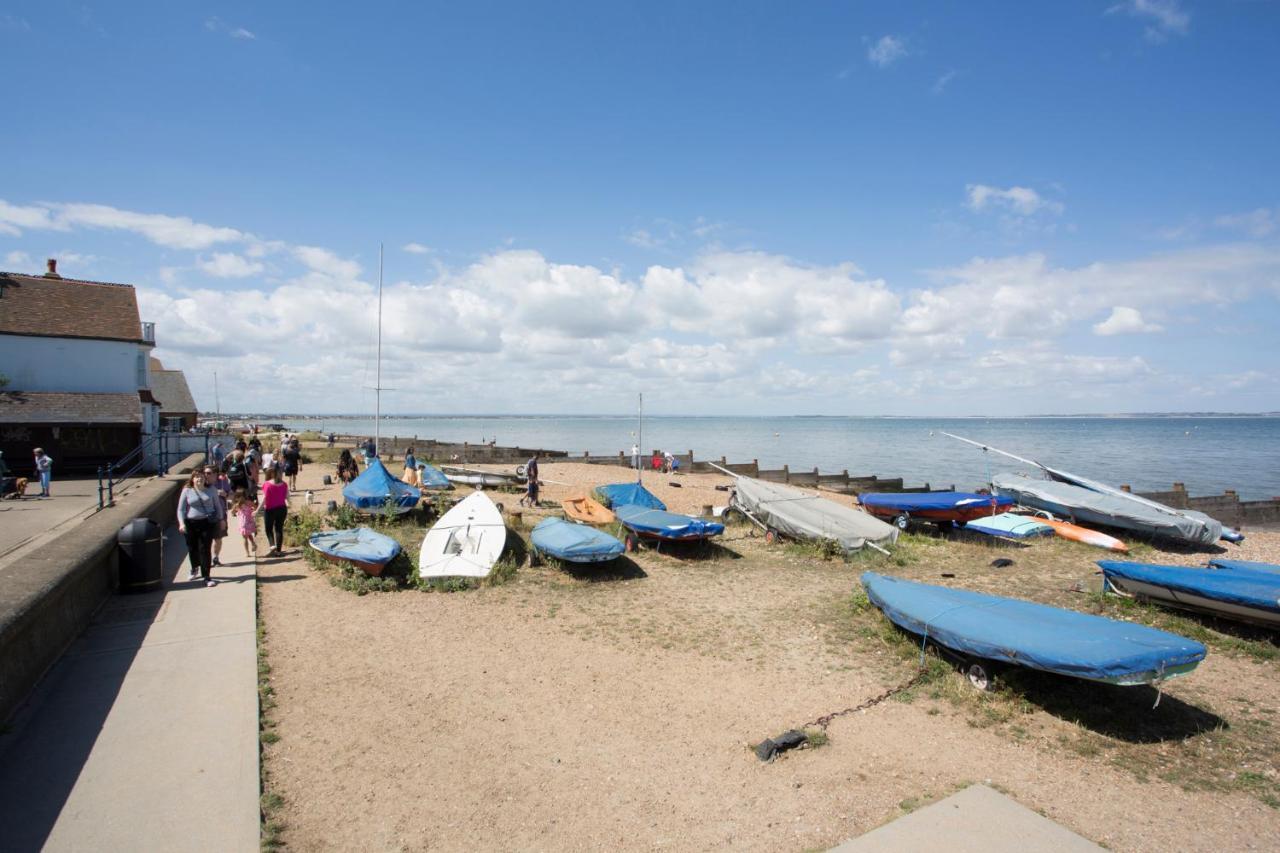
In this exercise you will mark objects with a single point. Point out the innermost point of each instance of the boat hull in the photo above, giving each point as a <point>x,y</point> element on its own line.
<point>465,542</point>
<point>574,543</point>
<point>1242,594</point>
<point>804,516</point>
<point>365,549</point>
<point>959,507</point>
<point>587,510</point>
<point>1088,536</point>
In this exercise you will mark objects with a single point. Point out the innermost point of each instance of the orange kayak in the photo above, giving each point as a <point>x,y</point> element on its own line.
<point>1076,533</point>
<point>585,509</point>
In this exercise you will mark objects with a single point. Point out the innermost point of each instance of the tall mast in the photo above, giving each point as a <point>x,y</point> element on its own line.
<point>217,404</point>
<point>640,437</point>
<point>377,387</point>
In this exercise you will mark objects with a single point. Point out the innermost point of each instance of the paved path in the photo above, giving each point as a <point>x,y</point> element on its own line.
<point>144,736</point>
<point>976,820</point>
<point>27,521</point>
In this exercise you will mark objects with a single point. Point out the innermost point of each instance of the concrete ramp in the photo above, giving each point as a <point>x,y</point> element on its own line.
<point>976,820</point>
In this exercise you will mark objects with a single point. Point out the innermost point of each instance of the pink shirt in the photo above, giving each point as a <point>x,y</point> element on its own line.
<point>274,495</point>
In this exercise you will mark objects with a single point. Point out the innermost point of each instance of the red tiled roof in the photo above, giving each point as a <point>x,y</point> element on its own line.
<point>171,391</point>
<point>52,407</point>
<point>67,308</point>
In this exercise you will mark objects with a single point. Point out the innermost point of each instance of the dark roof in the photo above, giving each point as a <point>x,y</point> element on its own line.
<point>170,389</point>
<point>53,407</point>
<point>68,308</point>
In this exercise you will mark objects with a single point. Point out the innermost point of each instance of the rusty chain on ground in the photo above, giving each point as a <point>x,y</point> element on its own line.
<point>825,720</point>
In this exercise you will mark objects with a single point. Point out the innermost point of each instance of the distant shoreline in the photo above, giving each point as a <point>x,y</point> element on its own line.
<point>419,416</point>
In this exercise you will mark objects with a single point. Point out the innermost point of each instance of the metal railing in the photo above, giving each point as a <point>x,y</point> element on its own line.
<point>164,447</point>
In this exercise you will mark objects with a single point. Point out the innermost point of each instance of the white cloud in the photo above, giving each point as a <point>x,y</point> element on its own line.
<point>174,232</point>
<point>326,262</point>
<point>19,262</point>
<point>886,51</point>
<point>242,33</point>
<point>1164,17</point>
<point>940,85</point>
<point>229,265</point>
<point>1125,321</point>
<point>1021,200</point>
<point>217,25</point>
<point>14,218</point>
<point>1255,223</point>
<point>642,238</point>
<point>417,249</point>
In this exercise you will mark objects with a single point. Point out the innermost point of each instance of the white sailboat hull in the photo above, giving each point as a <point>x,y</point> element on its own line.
<point>465,542</point>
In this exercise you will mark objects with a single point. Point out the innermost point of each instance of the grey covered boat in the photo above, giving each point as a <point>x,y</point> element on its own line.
<point>1111,508</point>
<point>800,515</point>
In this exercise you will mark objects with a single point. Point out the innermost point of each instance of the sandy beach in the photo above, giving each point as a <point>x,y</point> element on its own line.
<point>613,708</point>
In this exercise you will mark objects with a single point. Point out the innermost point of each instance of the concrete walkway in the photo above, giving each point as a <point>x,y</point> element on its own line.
<point>976,820</point>
<point>144,736</point>
<point>27,521</point>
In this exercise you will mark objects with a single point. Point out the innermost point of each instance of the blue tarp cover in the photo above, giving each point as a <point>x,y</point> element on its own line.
<point>665,525</point>
<point>1252,565</point>
<point>433,478</point>
<point>576,543</point>
<point>620,494</point>
<point>371,489</point>
<point>1008,524</point>
<point>361,544</point>
<point>1030,634</point>
<point>1249,587</point>
<point>920,501</point>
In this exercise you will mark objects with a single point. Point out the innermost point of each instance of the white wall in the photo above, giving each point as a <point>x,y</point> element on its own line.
<point>66,364</point>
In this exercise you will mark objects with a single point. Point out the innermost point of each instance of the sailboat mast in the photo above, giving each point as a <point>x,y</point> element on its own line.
<point>377,386</point>
<point>217,404</point>
<point>640,437</point>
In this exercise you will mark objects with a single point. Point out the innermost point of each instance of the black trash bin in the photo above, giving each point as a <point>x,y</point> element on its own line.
<point>141,556</point>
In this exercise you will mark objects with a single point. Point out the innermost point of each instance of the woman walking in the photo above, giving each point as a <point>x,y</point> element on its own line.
<point>200,515</point>
<point>275,506</point>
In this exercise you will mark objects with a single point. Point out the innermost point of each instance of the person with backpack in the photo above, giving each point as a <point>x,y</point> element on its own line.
<point>238,471</point>
<point>291,453</point>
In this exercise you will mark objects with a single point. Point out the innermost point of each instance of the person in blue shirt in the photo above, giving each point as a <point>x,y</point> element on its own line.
<point>531,474</point>
<point>410,468</point>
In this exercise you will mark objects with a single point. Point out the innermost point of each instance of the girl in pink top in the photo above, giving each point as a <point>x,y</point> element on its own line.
<point>242,509</point>
<point>275,506</point>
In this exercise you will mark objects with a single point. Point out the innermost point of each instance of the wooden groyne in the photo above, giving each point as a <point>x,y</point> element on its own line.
<point>1227,507</point>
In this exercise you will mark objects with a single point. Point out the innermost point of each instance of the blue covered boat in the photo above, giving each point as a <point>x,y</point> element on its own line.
<point>574,543</point>
<point>1245,594</point>
<point>373,488</point>
<point>991,628</point>
<point>1009,525</point>
<point>658,525</point>
<point>620,494</point>
<point>934,507</point>
<point>1244,564</point>
<point>433,478</point>
<point>365,548</point>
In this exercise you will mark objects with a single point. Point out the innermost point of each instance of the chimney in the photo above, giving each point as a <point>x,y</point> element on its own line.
<point>52,271</point>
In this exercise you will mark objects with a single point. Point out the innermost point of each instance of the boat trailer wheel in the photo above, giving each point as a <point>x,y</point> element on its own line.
<point>980,674</point>
<point>902,521</point>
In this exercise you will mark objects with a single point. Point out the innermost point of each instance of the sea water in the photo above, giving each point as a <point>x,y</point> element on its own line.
<point>1208,454</point>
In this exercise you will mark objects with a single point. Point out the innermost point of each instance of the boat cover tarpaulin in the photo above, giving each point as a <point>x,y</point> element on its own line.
<point>372,488</point>
<point>1114,509</point>
<point>359,545</point>
<point>433,478</point>
<point>1033,635</point>
<point>800,515</point>
<point>619,494</point>
<point>1008,524</point>
<point>576,543</point>
<point>665,525</point>
<point>1247,587</point>
<point>1252,565</point>
<point>923,501</point>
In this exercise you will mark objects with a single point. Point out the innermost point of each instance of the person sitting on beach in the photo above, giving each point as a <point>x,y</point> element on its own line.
<point>347,468</point>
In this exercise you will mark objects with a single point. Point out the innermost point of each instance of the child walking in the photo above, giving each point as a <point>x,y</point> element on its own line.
<point>243,507</point>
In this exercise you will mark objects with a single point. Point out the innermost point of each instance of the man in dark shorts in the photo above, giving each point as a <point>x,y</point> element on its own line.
<point>531,475</point>
<point>292,454</point>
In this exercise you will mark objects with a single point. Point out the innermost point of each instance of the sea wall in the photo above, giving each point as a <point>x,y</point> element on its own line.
<point>1226,507</point>
<point>50,597</point>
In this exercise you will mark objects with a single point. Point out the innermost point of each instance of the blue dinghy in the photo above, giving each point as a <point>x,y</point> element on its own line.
<point>1033,635</point>
<point>575,543</point>
<point>365,548</point>
<point>1010,525</point>
<point>935,507</point>
<point>1252,565</point>
<point>619,494</point>
<point>661,526</point>
<point>1248,595</point>
<point>373,488</point>
<point>433,478</point>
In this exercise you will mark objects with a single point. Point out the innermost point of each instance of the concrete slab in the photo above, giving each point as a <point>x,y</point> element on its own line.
<point>144,736</point>
<point>975,820</point>
<point>26,521</point>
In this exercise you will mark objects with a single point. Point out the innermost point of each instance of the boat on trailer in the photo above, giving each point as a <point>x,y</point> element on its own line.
<point>981,628</point>
<point>475,477</point>
<point>788,511</point>
<point>574,543</point>
<point>375,491</point>
<point>943,508</point>
<point>656,526</point>
<point>1243,594</point>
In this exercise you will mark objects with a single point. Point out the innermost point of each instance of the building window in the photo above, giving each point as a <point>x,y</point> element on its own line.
<point>142,371</point>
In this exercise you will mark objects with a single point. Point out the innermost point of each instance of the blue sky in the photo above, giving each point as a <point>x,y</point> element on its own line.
<point>835,208</point>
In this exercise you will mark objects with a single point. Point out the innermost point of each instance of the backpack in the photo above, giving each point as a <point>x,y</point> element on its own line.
<point>237,471</point>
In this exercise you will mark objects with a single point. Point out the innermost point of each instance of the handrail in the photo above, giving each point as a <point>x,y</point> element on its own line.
<point>132,462</point>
